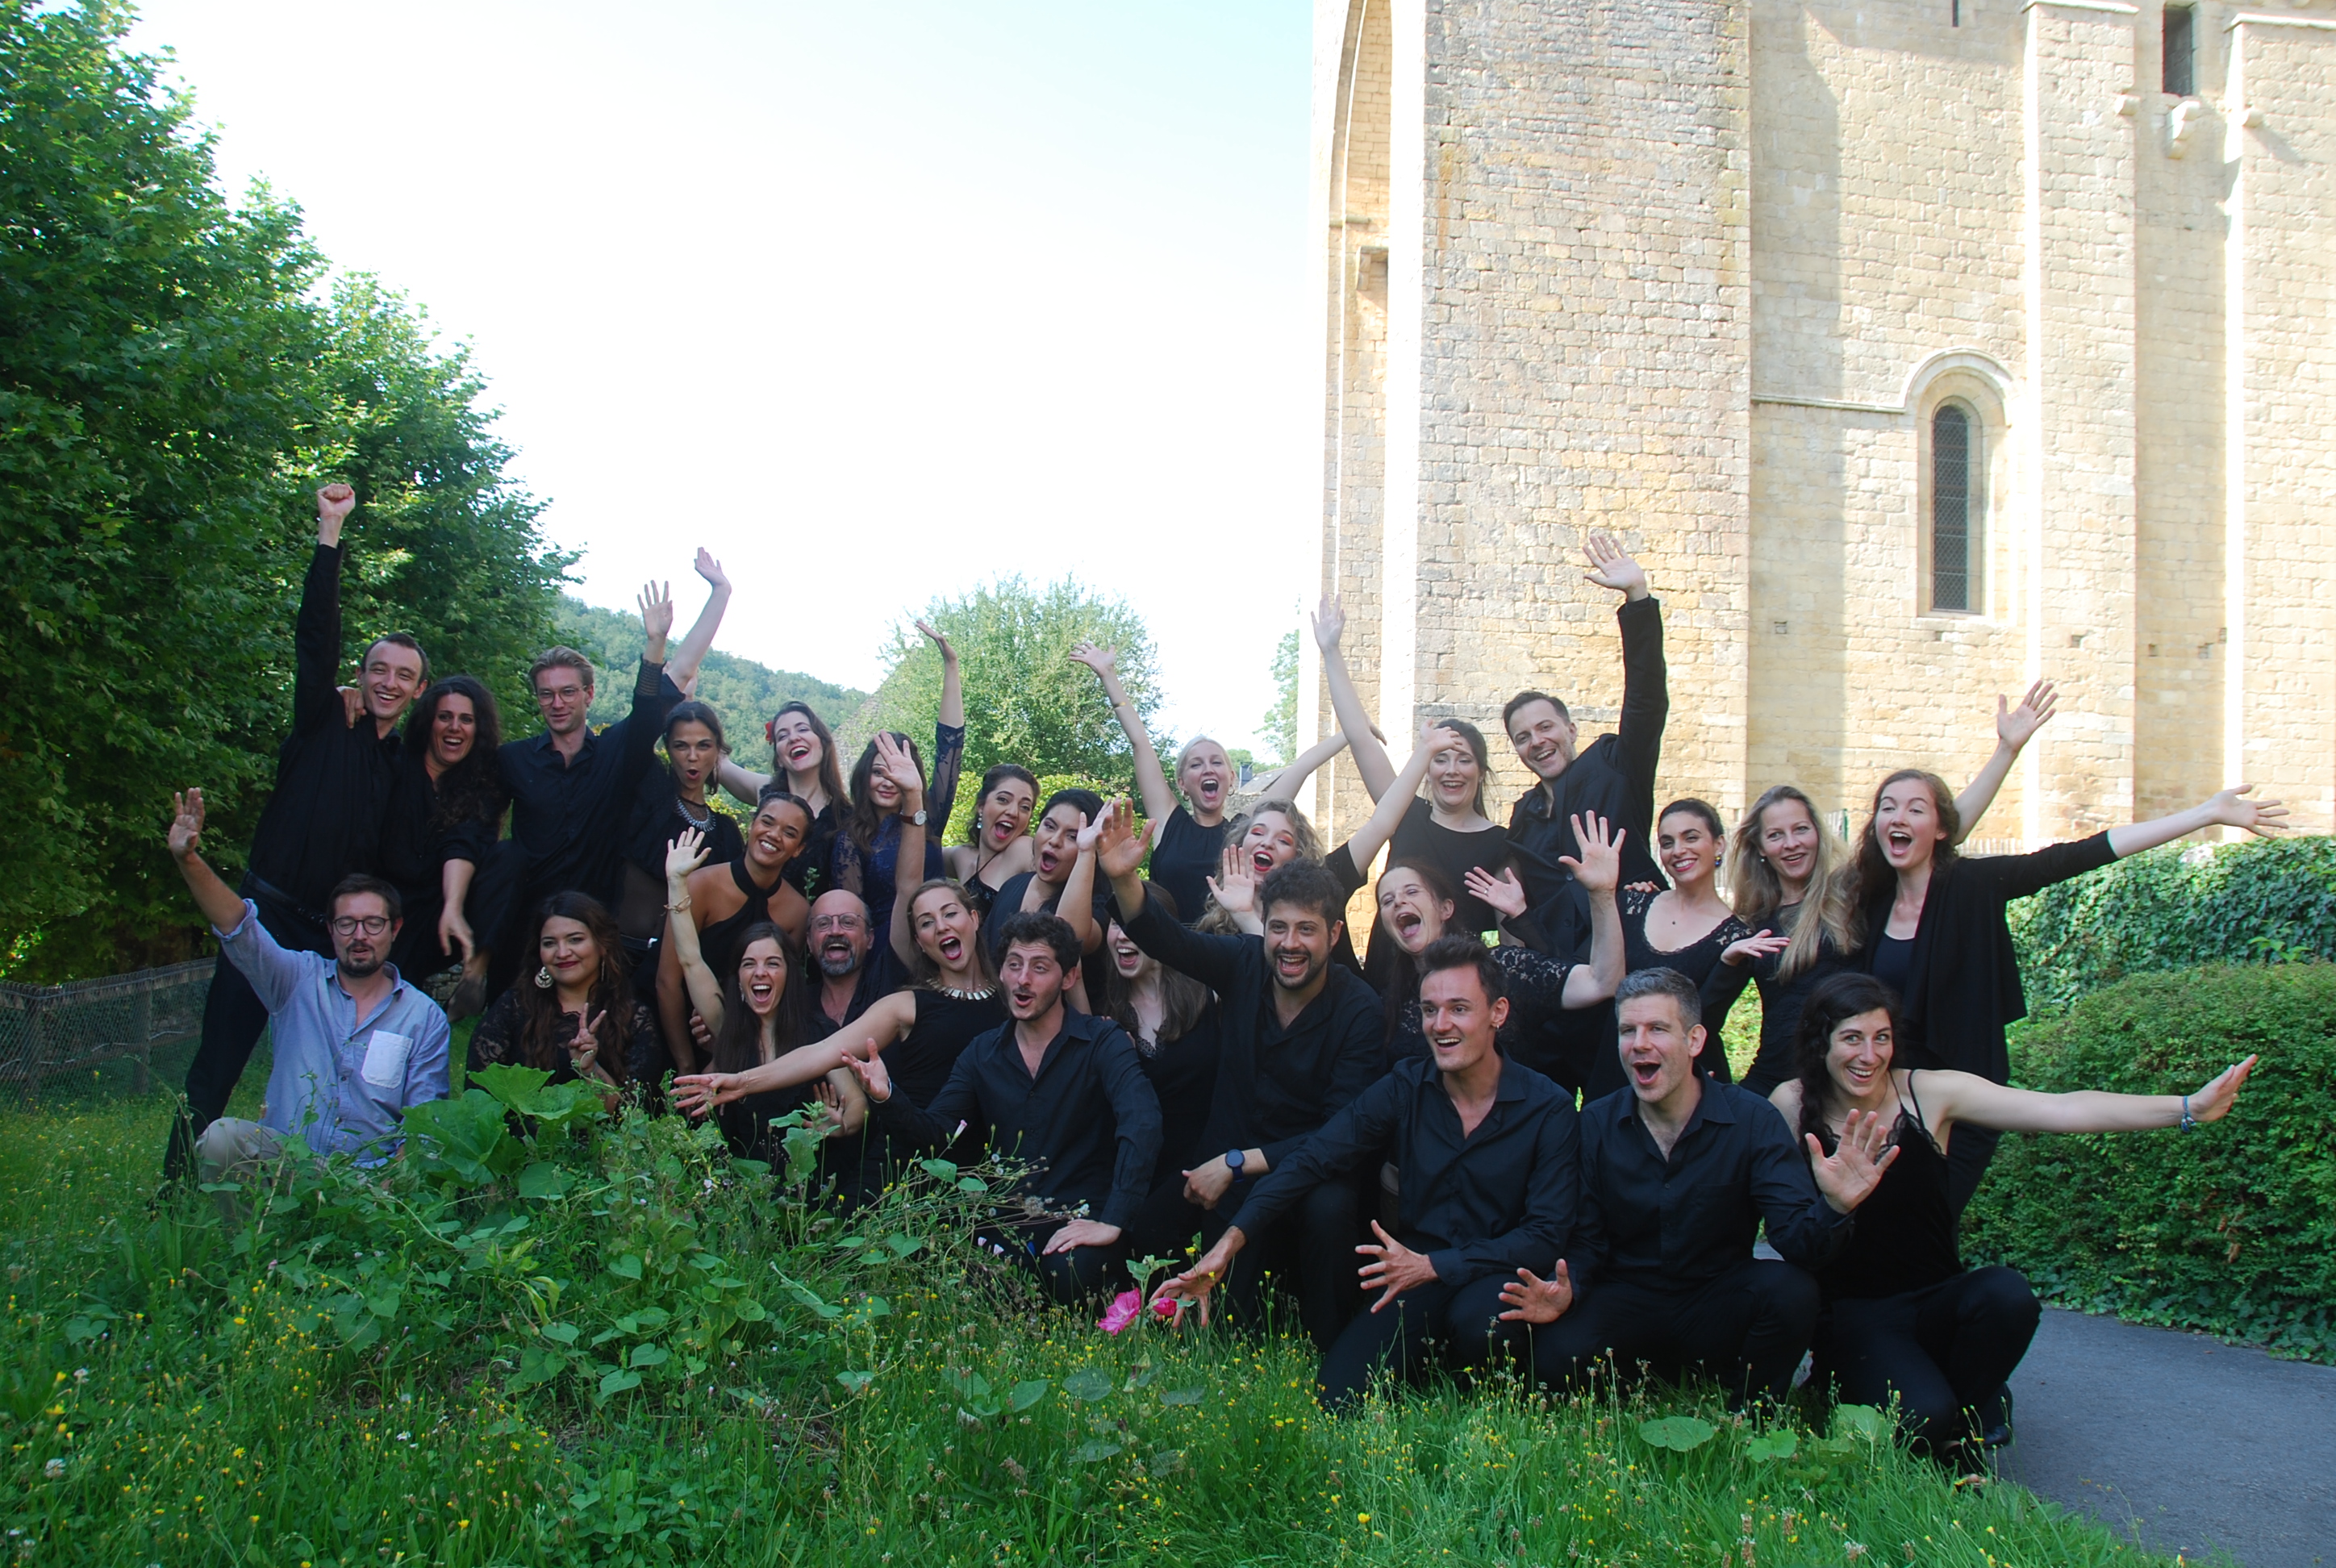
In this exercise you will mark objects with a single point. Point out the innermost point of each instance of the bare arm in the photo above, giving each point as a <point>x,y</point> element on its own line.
<point>883,1024</point>
<point>2014,726</point>
<point>2229,809</point>
<point>1393,804</point>
<point>1151,779</point>
<point>892,760</point>
<point>685,855</point>
<point>1599,871</point>
<point>1284,783</point>
<point>682,666</point>
<point>1967,1097</point>
<point>1370,758</point>
<point>745,785</point>
<point>213,897</point>
<point>1076,904</point>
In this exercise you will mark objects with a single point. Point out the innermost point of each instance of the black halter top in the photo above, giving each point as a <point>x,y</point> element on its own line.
<point>717,943</point>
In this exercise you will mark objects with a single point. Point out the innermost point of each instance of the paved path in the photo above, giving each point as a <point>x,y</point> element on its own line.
<point>2180,1441</point>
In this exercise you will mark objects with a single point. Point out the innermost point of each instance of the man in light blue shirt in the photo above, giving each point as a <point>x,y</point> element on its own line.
<point>355,1043</point>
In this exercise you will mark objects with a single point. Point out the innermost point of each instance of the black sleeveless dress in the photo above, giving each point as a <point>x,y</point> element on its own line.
<point>717,942</point>
<point>1905,1238</point>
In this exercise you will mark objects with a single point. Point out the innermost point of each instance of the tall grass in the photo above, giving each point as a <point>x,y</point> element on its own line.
<point>173,1399</point>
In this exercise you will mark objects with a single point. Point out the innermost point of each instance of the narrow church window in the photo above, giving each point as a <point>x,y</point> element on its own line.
<point>2181,71</point>
<point>1954,455</point>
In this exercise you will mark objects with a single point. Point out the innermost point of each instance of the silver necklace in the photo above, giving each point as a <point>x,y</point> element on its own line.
<point>700,823</point>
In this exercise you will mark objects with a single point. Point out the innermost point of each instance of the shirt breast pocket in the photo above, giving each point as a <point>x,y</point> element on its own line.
<point>384,1059</point>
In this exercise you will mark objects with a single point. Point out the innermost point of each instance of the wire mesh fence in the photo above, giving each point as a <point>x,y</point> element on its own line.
<point>49,1031</point>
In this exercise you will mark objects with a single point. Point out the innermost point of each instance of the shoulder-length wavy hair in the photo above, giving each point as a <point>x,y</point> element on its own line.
<point>866,816</point>
<point>1828,905</point>
<point>831,772</point>
<point>1182,998</point>
<point>1837,999</point>
<point>738,1043</point>
<point>1213,918</point>
<point>923,971</point>
<point>471,790</point>
<point>1875,876</point>
<point>541,1036</point>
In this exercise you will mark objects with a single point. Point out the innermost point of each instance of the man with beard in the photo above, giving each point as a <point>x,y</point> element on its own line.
<point>1615,776</point>
<point>1060,1091</point>
<point>355,1043</point>
<point>1488,1155</point>
<point>322,824</point>
<point>1302,1037</point>
<point>1677,1171</point>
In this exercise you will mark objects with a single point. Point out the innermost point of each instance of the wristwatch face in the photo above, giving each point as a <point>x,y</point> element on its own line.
<point>919,819</point>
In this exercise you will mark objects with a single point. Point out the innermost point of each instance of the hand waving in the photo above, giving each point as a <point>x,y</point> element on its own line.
<point>1330,622</point>
<point>2234,810</point>
<point>1600,867</point>
<point>2213,1102</point>
<point>1236,889</point>
<point>1758,945</point>
<point>1609,567</point>
<point>2015,725</point>
<point>1119,848</point>
<point>656,601</point>
<point>949,654</point>
<point>1503,893</point>
<point>1848,1176</point>
<point>683,855</point>
<point>1104,661</point>
<point>710,569</point>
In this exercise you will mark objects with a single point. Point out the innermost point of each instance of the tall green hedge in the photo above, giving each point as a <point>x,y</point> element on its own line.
<point>2230,1228</point>
<point>2266,899</point>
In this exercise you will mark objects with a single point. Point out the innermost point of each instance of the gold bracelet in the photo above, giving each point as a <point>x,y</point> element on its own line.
<point>676,909</point>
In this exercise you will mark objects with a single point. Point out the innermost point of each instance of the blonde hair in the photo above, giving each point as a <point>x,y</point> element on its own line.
<point>1829,906</point>
<point>1213,918</point>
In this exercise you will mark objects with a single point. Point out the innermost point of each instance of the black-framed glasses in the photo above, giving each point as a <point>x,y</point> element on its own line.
<point>350,925</point>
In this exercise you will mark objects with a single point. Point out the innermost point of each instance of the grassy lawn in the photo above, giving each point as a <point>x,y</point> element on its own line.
<point>175,1398</point>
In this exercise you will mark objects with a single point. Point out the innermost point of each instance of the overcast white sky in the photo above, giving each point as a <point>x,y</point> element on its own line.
<point>876,300</point>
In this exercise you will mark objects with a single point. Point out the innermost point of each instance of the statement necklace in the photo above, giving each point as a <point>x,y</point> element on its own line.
<point>965,993</point>
<point>701,823</point>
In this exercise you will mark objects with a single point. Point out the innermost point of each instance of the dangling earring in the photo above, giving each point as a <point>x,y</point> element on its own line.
<point>543,979</point>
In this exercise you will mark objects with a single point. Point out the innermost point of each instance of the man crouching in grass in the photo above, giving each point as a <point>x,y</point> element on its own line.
<point>1488,1155</point>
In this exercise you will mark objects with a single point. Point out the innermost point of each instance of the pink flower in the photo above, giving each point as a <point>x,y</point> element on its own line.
<point>1121,1315</point>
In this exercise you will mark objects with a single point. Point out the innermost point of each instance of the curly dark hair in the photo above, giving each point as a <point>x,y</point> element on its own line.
<point>1837,999</point>
<point>542,1035</point>
<point>471,790</point>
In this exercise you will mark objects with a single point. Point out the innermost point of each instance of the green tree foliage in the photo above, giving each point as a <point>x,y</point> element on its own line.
<point>2230,1228</point>
<point>175,379</point>
<point>1026,702</point>
<point>1281,724</point>
<point>743,692</point>
<point>2177,906</point>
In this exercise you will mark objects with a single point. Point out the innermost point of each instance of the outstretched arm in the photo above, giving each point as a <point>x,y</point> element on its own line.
<point>317,632</point>
<point>683,669</point>
<point>892,760</point>
<point>683,855</point>
<point>868,1035</point>
<point>2014,726</point>
<point>1284,783</point>
<point>1394,801</point>
<point>1151,779</point>
<point>1599,872</point>
<point>213,897</point>
<point>1968,1097</point>
<point>2229,809</point>
<point>1370,758</point>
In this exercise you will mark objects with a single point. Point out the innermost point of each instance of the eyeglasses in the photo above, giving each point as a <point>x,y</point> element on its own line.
<point>350,925</point>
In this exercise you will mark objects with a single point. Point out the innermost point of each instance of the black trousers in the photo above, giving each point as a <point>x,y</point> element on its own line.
<point>1943,1352</point>
<point>1455,1326</point>
<point>233,1018</point>
<point>1068,1277</point>
<point>1747,1329</point>
<point>1312,1247</point>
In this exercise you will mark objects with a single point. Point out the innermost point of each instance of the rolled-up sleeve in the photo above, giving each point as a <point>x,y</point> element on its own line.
<point>273,971</point>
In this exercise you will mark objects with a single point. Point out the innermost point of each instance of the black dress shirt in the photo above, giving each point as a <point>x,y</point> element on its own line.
<point>1613,777</point>
<point>332,778</point>
<point>1502,1197</point>
<point>1086,1121</point>
<point>1275,1085</point>
<point>415,845</point>
<point>1680,1223</point>
<point>569,816</point>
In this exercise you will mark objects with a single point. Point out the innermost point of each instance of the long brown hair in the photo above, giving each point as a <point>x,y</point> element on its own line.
<point>542,1035</point>
<point>831,772</point>
<point>1213,918</point>
<point>1875,874</point>
<point>738,1043</point>
<point>471,790</point>
<point>1829,905</point>
<point>1182,998</point>
<point>866,816</point>
<point>923,971</point>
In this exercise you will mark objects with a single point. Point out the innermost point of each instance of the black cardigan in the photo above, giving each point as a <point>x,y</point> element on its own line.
<point>1964,989</point>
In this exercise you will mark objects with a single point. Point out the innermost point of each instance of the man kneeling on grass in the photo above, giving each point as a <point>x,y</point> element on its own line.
<point>354,1045</point>
<point>1488,1151</point>
<point>1678,1170</point>
<point>1060,1090</point>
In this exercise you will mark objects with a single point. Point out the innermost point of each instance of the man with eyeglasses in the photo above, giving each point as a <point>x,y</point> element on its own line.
<point>355,1043</point>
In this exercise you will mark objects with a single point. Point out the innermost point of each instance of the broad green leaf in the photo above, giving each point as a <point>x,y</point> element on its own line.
<point>616,1383</point>
<point>627,1267</point>
<point>968,1385</point>
<point>563,1332</point>
<point>540,1182</point>
<point>650,1355</point>
<point>1087,1385</point>
<point>1028,1394</point>
<point>1860,1421</point>
<point>1680,1434</point>
<point>1092,1450</point>
<point>900,1244</point>
<point>1781,1444</point>
<point>939,1170</point>
<point>855,1381</point>
<point>1183,1396</point>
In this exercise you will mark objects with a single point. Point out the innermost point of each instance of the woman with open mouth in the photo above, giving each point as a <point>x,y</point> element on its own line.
<point>720,903</point>
<point>1785,864</point>
<point>1445,825</point>
<point>1188,836</point>
<point>1061,881</point>
<point>671,798</point>
<point>1937,936</point>
<point>1904,1322</point>
<point>865,857</point>
<point>1173,1019</point>
<point>952,998</point>
<point>445,813</point>
<point>1268,836</point>
<point>574,1016</point>
<point>997,846</point>
<point>803,758</point>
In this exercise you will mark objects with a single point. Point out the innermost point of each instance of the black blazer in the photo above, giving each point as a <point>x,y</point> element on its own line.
<point>1964,989</point>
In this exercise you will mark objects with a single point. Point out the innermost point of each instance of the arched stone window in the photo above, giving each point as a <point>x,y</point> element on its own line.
<point>1958,510</point>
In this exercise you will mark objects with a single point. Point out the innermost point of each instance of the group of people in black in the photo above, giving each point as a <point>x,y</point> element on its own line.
<point>1505,1130</point>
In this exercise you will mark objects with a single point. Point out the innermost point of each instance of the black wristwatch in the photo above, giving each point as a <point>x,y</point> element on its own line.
<point>1234,1160</point>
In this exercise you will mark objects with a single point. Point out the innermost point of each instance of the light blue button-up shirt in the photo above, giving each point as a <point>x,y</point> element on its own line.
<point>340,1083</point>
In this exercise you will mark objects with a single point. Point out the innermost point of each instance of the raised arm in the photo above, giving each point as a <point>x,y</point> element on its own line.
<point>2229,809</point>
<point>1076,906</point>
<point>316,701</point>
<point>1370,758</point>
<point>892,760</point>
<point>214,898</point>
<point>1967,1097</point>
<point>647,718</point>
<point>744,784</point>
<point>1284,783</point>
<point>1151,779</point>
<point>1646,679</point>
<point>683,855</point>
<point>2014,727</point>
<point>948,740</point>
<point>1393,804</point>
<point>1212,960</point>
<point>1599,872</point>
<point>683,669</point>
